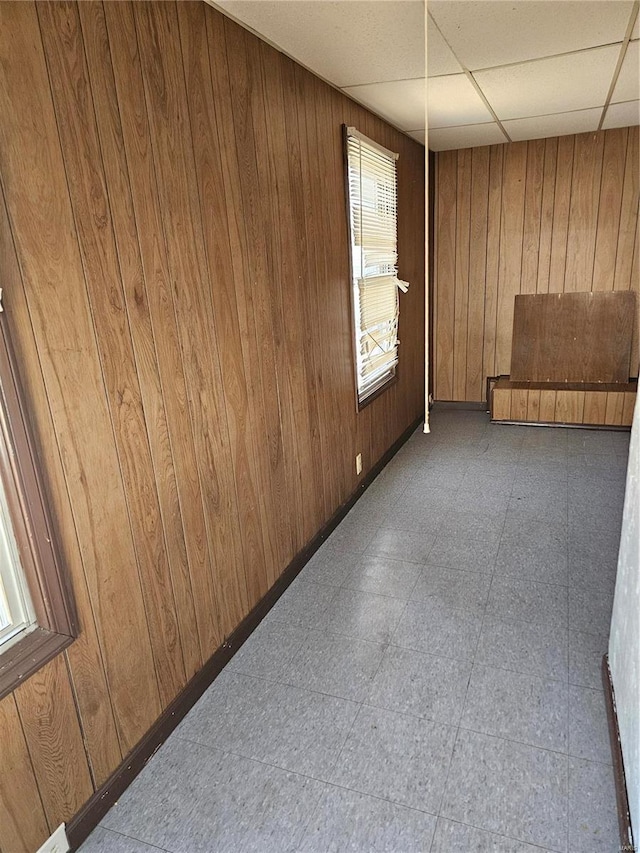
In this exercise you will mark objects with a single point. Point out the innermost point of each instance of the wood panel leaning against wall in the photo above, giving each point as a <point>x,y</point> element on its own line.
<point>543,216</point>
<point>174,261</point>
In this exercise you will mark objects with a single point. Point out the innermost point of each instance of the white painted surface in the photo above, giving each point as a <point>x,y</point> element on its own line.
<point>622,115</point>
<point>440,58</point>
<point>401,102</point>
<point>485,33</point>
<point>560,124</point>
<point>628,85</point>
<point>448,138</point>
<point>574,81</point>
<point>345,41</point>
<point>56,843</point>
<point>624,640</point>
<point>453,101</point>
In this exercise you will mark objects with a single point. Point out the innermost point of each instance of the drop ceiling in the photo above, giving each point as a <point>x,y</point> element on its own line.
<point>497,70</point>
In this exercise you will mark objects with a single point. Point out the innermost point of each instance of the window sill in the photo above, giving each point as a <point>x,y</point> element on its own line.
<point>28,655</point>
<point>362,404</point>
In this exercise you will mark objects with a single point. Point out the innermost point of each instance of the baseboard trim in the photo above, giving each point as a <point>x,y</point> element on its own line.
<point>624,815</point>
<point>82,824</point>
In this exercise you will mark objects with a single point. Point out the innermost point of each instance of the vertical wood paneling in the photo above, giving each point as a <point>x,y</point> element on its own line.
<point>85,655</point>
<point>531,238</point>
<point>22,816</point>
<point>51,727</point>
<point>176,277</point>
<point>562,214</point>
<point>583,212</point>
<point>511,245</point>
<point>447,175</point>
<point>462,291</point>
<point>158,294</point>
<point>477,272</point>
<point>49,255</point>
<point>64,50</point>
<point>496,171</point>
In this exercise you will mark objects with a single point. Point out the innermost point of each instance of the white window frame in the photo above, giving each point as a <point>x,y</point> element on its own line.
<point>372,204</point>
<point>17,614</point>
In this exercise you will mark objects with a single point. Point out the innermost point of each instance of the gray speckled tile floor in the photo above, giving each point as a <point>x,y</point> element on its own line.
<point>430,683</point>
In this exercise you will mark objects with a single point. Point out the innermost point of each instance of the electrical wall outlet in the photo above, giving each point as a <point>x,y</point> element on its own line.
<point>56,843</point>
<point>359,463</point>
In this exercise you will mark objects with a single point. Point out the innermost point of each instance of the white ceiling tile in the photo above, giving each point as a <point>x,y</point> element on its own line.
<point>454,101</point>
<point>622,115</point>
<point>440,59</point>
<point>561,124</point>
<point>635,32</point>
<point>485,33</point>
<point>419,135</point>
<point>562,83</point>
<point>345,41</point>
<point>628,83</point>
<point>469,136</point>
<point>401,102</point>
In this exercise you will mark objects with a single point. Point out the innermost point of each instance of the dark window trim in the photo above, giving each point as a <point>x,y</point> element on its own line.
<point>34,532</point>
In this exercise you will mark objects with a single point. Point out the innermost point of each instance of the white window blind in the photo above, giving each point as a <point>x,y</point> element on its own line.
<point>373,225</point>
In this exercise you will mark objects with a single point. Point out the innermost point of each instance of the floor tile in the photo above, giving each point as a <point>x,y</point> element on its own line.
<point>470,524</point>
<point>414,518</point>
<point>516,706</point>
<point>473,555</point>
<point>351,536</point>
<point>593,815</point>
<point>286,726</point>
<point>302,604</point>
<point>192,799</point>
<point>396,757</point>
<point>383,576</point>
<point>524,647</point>
<point>490,498</point>
<point>271,646</point>
<point>348,822</point>
<point>423,685</point>
<point>508,788</point>
<point>588,725</point>
<point>401,545</point>
<point>541,604</point>
<point>451,837</point>
<point>466,590</point>
<point>339,666</point>
<point>329,567</point>
<point>363,615</point>
<point>438,629</point>
<point>543,506</point>
<point>521,558</point>
<point>585,659</point>
<point>105,841</point>
<point>590,610</point>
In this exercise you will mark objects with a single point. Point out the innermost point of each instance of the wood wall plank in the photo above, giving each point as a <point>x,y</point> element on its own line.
<point>462,289</point>
<point>477,272</point>
<point>64,49</point>
<point>173,239</point>
<point>85,655</point>
<point>49,255</point>
<point>22,816</point>
<point>50,724</point>
<point>562,215</point>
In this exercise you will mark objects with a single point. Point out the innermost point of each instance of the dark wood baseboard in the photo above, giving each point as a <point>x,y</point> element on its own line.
<point>81,825</point>
<point>624,815</point>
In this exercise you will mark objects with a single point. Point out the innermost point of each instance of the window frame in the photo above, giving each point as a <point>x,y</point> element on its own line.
<point>56,624</point>
<point>392,378</point>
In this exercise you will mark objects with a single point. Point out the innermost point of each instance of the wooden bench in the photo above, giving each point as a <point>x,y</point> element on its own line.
<point>567,403</point>
<point>570,360</point>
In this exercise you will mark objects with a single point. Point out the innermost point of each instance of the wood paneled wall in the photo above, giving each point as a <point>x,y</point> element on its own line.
<point>544,216</point>
<point>174,262</point>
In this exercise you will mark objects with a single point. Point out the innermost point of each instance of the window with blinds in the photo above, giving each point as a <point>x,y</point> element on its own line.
<point>372,197</point>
